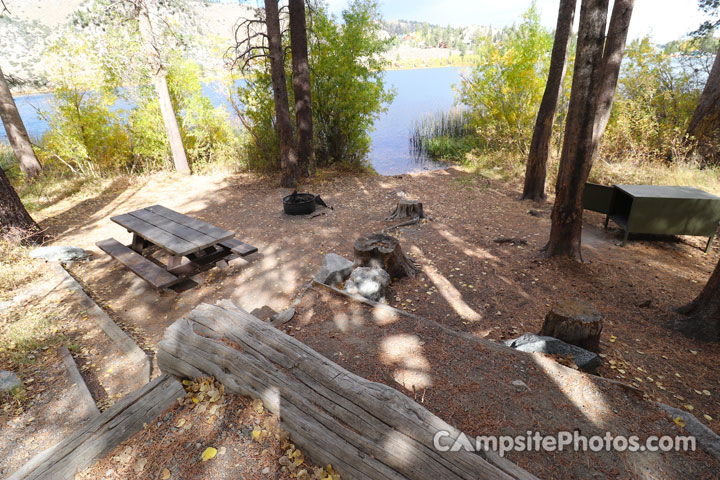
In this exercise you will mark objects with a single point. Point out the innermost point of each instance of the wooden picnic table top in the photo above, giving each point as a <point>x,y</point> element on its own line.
<point>172,231</point>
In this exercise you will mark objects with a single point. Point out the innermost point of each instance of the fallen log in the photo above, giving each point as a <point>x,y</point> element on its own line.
<point>366,430</point>
<point>99,437</point>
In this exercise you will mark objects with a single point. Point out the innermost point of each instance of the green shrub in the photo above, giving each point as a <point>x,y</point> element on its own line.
<point>348,90</point>
<point>504,89</point>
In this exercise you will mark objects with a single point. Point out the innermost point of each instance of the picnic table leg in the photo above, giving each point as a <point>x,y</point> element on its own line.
<point>138,243</point>
<point>174,261</point>
<point>625,238</point>
<point>709,243</point>
<point>607,219</point>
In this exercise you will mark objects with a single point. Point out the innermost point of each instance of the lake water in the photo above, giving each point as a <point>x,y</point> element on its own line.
<point>418,92</point>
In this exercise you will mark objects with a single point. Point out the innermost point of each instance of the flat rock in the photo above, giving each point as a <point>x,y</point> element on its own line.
<point>706,438</point>
<point>59,253</point>
<point>8,381</point>
<point>334,271</point>
<point>282,317</point>
<point>529,342</point>
<point>371,283</point>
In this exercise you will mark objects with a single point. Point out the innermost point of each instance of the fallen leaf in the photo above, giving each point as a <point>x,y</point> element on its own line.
<point>209,453</point>
<point>140,465</point>
<point>707,417</point>
<point>165,474</point>
<point>679,421</point>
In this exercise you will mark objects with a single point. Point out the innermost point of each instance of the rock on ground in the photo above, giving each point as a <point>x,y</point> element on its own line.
<point>705,437</point>
<point>334,271</point>
<point>528,342</point>
<point>371,283</point>
<point>59,253</point>
<point>8,381</point>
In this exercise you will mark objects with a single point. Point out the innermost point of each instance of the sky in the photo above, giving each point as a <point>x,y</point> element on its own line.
<point>662,20</point>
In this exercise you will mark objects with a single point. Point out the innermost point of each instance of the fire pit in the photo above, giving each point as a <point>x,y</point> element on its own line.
<point>299,203</point>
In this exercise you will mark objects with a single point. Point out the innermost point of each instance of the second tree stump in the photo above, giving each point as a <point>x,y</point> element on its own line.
<point>383,251</point>
<point>574,322</point>
<point>407,209</point>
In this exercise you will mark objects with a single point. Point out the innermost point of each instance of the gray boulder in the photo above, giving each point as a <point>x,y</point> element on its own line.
<point>334,271</point>
<point>371,283</point>
<point>706,438</point>
<point>60,253</point>
<point>529,342</point>
<point>8,381</point>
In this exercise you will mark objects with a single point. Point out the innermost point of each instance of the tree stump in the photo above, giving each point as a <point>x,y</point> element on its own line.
<point>383,251</point>
<point>574,322</point>
<point>407,209</point>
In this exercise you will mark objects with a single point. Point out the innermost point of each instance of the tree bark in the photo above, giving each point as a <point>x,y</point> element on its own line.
<point>383,251</point>
<point>704,310</point>
<point>16,132</point>
<point>536,169</point>
<point>610,71</point>
<point>574,322</point>
<point>365,430</point>
<point>160,82</point>
<point>706,118</point>
<point>407,209</point>
<point>16,224</point>
<point>577,151</point>
<point>288,156</point>
<point>301,88</point>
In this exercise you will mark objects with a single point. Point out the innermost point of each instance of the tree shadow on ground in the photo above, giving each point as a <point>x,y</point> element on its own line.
<point>476,286</point>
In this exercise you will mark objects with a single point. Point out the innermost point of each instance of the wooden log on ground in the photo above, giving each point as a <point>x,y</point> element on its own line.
<point>574,322</point>
<point>366,430</point>
<point>98,438</point>
<point>407,209</point>
<point>383,251</point>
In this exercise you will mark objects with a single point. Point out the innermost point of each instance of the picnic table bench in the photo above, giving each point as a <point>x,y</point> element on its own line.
<point>179,237</point>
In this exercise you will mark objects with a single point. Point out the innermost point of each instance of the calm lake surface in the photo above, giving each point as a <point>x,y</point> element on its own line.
<point>417,93</point>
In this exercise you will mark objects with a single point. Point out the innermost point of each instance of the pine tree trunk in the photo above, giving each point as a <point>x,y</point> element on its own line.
<point>160,82</point>
<point>288,156</point>
<point>704,310</point>
<point>16,132</point>
<point>301,87</point>
<point>536,170</point>
<point>706,118</point>
<point>16,225</point>
<point>576,157</point>
<point>612,58</point>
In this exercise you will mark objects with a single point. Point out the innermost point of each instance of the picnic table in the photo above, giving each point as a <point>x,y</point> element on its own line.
<point>656,209</point>
<point>180,238</point>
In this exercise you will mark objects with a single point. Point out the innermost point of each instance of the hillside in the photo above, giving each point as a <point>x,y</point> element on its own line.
<point>32,25</point>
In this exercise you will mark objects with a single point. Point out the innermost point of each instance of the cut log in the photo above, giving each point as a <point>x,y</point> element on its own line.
<point>407,209</point>
<point>99,437</point>
<point>574,322</point>
<point>365,430</point>
<point>383,251</point>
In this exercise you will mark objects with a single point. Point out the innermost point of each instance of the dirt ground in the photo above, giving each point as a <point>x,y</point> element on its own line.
<point>469,384</point>
<point>467,281</point>
<point>227,438</point>
<point>47,407</point>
